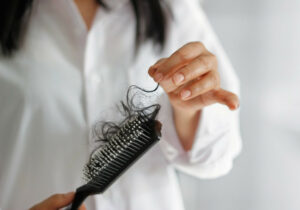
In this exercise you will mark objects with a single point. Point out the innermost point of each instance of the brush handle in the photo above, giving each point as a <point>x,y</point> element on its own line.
<point>150,134</point>
<point>81,194</point>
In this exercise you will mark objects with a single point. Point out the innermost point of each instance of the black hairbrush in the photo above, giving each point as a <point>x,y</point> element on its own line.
<point>124,144</point>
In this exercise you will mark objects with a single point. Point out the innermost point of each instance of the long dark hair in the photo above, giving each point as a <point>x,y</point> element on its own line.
<point>150,16</point>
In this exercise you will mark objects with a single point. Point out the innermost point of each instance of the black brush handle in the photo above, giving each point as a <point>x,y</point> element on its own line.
<point>81,194</point>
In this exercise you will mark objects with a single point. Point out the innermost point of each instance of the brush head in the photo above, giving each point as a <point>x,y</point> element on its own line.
<point>109,161</point>
<point>124,144</point>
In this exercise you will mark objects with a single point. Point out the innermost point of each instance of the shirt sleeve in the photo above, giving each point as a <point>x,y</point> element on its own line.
<point>217,140</point>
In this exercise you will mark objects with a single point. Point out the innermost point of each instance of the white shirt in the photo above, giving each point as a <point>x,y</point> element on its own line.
<point>64,78</point>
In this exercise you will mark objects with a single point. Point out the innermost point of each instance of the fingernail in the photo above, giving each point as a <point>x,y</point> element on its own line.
<point>158,77</point>
<point>178,77</point>
<point>186,93</point>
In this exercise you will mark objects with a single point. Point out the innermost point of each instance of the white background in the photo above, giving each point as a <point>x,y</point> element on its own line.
<point>262,39</point>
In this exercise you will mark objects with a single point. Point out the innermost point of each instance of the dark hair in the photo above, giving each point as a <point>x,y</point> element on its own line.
<point>150,22</point>
<point>130,108</point>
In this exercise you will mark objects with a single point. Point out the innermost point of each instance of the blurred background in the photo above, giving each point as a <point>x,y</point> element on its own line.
<point>262,39</point>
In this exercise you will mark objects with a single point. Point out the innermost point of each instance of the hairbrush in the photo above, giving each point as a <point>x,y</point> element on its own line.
<point>123,145</point>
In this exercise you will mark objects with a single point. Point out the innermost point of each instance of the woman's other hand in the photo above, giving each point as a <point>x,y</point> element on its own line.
<point>56,201</point>
<point>190,78</point>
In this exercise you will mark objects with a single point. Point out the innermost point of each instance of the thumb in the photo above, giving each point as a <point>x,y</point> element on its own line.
<point>227,98</point>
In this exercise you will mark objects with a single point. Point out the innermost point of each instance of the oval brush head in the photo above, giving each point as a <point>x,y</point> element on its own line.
<point>126,146</point>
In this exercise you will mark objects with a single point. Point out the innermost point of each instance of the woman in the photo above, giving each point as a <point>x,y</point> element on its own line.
<point>72,60</point>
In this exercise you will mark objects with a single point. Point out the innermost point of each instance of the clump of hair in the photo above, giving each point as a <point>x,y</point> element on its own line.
<point>129,108</point>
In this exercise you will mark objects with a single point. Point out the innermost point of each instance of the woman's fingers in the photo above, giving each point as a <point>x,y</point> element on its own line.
<point>227,98</point>
<point>200,86</point>
<point>191,80</point>
<point>178,59</point>
<point>196,68</point>
<point>57,201</point>
<point>197,103</point>
<point>221,96</point>
<point>199,66</point>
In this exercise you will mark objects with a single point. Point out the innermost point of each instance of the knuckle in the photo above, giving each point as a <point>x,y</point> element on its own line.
<point>189,48</point>
<point>199,45</point>
<point>196,46</point>
<point>204,62</point>
<point>181,54</point>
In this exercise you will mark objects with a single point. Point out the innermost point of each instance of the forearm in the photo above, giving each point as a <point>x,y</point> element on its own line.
<point>186,125</point>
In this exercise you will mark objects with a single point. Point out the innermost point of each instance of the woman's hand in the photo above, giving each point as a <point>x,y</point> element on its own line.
<point>190,78</point>
<point>56,201</point>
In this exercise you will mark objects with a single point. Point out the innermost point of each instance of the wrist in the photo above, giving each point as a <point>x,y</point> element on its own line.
<point>185,113</point>
<point>186,123</point>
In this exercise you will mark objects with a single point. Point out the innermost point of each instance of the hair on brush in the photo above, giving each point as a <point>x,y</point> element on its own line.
<point>122,144</point>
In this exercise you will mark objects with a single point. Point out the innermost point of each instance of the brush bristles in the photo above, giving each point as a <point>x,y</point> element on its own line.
<point>110,160</point>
